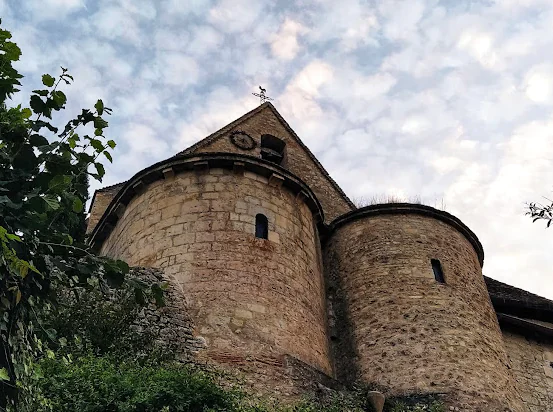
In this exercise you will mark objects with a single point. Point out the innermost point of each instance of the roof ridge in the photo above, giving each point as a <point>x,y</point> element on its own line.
<point>311,155</point>
<point>103,189</point>
<point>212,137</point>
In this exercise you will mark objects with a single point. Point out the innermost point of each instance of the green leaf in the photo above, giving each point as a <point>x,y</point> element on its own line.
<point>25,158</point>
<point>51,202</point>
<point>108,155</point>
<point>100,169</point>
<point>12,51</point>
<point>96,144</point>
<point>11,236</point>
<point>39,124</point>
<point>48,80</point>
<point>123,266</point>
<point>59,98</point>
<point>77,205</point>
<point>37,104</point>
<point>99,106</point>
<point>4,376</point>
<point>26,113</point>
<point>100,123</point>
<point>114,278</point>
<point>38,140</point>
<point>69,238</point>
<point>59,182</point>
<point>42,92</point>
<point>112,144</point>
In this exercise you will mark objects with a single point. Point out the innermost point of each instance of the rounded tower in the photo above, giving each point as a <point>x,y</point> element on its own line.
<point>411,309</point>
<point>238,235</point>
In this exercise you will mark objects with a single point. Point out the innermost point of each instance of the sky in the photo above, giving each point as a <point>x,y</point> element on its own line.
<point>449,102</point>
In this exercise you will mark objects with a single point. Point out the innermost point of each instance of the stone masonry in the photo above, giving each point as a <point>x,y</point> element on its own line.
<point>248,296</point>
<point>334,295</point>
<point>407,330</point>
<point>531,361</point>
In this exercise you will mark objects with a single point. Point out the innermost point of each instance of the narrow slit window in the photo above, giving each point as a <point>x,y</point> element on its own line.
<point>438,271</point>
<point>261,226</point>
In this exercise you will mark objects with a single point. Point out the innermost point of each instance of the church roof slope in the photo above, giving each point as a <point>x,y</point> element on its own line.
<point>510,300</point>
<point>266,119</point>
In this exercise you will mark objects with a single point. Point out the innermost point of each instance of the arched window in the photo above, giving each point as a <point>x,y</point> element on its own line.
<point>272,148</point>
<point>261,226</point>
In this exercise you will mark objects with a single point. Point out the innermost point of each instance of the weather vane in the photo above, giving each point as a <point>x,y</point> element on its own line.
<point>262,97</point>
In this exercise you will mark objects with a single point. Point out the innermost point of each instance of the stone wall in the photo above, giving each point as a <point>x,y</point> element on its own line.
<point>296,158</point>
<point>249,297</point>
<point>396,327</point>
<point>282,377</point>
<point>531,362</point>
<point>102,199</point>
<point>171,325</point>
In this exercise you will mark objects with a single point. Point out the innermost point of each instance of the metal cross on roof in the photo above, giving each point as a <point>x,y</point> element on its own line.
<point>262,97</point>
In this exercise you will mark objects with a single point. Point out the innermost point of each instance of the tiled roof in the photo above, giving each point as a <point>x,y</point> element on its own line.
<point>510,300</point>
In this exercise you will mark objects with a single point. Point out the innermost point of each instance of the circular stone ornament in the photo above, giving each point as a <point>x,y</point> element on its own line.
<point>242,140</point>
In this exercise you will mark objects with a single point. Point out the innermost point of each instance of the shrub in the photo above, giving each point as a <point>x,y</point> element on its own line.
<point>103,384</point>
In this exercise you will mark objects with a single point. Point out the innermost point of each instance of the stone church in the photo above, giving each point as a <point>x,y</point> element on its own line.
<point>286,281</point>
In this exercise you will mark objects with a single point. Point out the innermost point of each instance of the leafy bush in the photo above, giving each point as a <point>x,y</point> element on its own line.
<point>102,384</point>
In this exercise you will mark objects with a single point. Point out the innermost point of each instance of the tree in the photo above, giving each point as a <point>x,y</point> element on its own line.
<point>44,173</point>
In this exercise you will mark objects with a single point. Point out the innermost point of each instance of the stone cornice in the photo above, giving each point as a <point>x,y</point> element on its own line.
<point>195,162</point>
<point>411,208</point>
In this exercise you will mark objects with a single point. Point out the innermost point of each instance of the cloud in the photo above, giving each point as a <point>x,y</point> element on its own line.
<point>178,9</point>
<point>117,24</point>
<point>538,84</point>
<point>53,9</point>
<point>349,22</point>
<point>480,46</point>
<point>235,15</point>
<point>173,69</point>
<point>285,43</point>
<point>421,98</point>
<point>214,110</point>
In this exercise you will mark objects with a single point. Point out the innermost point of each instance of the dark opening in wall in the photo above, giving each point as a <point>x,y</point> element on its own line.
<point>272,148</point>
<point>438,271</point>
<point>261,226</point>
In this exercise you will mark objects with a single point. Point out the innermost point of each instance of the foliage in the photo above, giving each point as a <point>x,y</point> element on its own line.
<point>98,369</point>
<point>332,402</point>
<point>537,211</point>
<point>44,174</point>
<point>415,403</point>
<point>103,384</point>
<point>96,321</point>
<point>435,406</point>
<point>92,384</point>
